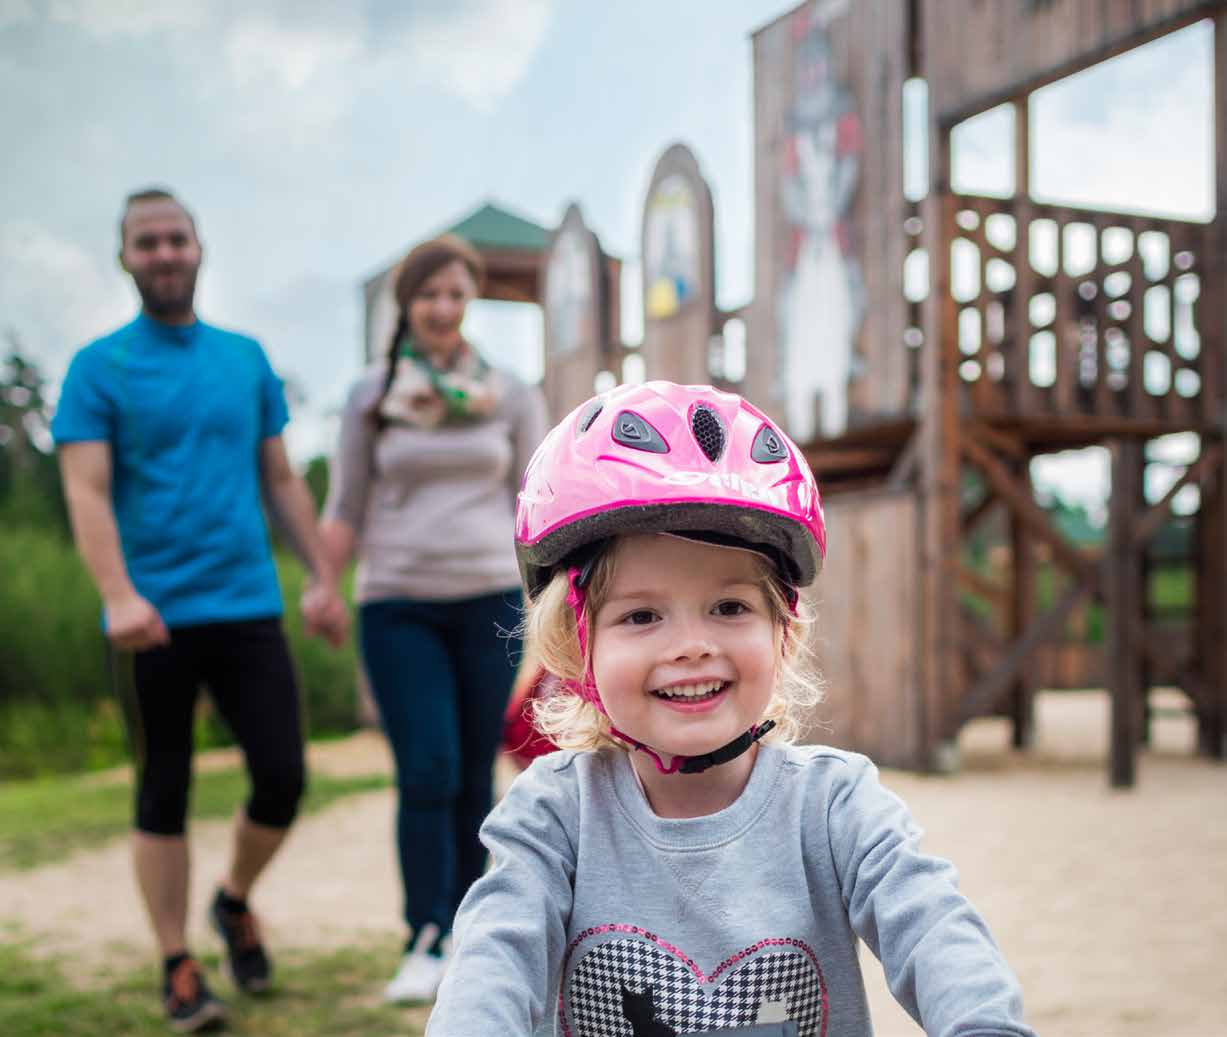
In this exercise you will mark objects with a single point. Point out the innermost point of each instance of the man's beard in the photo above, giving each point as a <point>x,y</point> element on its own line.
<point>161,305</point>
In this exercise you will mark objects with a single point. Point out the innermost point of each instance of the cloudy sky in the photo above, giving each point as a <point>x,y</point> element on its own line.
<point>316,141</point>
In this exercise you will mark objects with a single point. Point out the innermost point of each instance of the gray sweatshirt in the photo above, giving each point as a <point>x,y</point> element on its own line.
<point>433,509</point>
<point>599,918</point>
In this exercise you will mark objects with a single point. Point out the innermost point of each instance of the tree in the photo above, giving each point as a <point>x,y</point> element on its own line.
<point>30,491</point>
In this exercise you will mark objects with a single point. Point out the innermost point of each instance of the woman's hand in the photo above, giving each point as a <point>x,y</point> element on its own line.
<point>324,612</point>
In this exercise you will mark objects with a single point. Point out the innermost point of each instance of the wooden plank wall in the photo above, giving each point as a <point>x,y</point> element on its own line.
<point>870,46</point>
<point>865,636</point>
<point>980,53</point>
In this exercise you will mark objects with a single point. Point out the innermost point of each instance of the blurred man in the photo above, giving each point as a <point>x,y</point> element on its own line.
<point>168,430</point>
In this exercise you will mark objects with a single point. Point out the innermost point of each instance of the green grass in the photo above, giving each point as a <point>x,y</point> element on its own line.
<point>334,993</point>
<point>44,819</point>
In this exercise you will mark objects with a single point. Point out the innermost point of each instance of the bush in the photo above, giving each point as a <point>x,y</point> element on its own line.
<point>51,644</point>
<point>57,712</point>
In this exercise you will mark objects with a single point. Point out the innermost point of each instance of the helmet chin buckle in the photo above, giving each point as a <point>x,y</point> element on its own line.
<point>739,745</point>
<point>698,764</point>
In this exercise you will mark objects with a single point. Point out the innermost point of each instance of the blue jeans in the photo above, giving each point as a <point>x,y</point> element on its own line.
<point>441,672</point>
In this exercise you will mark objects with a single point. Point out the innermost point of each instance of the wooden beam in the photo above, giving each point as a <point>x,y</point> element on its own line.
<point>848,460</point>
<point>1148,525</point>
<point>1167,669</point>
<point>1124,593</point>
<point>981,628</point>
<point>940,468</point>
<point>971,581</point>
<point>1020,610</point>
<point>987,691</point>
<point>1031,514</point>
<point>1210,608</point>
<point>906,466</point>
<point>972,518</point>
<point>1001,441</point>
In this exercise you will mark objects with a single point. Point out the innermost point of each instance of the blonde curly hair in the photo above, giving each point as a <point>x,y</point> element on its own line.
<point>571,722</point>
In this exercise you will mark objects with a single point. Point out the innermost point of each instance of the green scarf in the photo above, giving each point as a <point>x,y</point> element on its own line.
<point>425,396</point>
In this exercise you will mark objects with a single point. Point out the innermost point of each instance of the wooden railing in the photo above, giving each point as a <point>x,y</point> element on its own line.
<point>1080,312</point>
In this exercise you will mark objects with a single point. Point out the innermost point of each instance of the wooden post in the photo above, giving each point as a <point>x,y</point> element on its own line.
<point>1210,636</point>
<point>1021,609</point>
<point>1210,633</point>
<point>940,468</point>
<point>1124,600</point>
<point>1023,393</point>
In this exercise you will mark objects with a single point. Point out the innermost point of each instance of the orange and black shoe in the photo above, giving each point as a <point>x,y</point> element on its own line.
<point>190,1004</point>
<point>246,960</point>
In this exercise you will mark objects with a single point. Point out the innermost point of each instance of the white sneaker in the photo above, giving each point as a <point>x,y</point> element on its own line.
<point>420,974</point>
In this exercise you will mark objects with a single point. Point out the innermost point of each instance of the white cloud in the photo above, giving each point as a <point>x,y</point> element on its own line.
<point>1135,133</point>
<point>477,51</point>
<point>129,17</point>
<point>62,296</point>
<point>15,12</point>
<point>294,55</point>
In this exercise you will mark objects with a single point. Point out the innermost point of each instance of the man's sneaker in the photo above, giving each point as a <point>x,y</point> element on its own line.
<point>190,1005</point>
<point>420,972</point>
<point>246,961</point>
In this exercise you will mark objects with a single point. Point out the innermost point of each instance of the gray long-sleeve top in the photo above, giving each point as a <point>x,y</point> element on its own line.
<point>600,918</point>
<point>433,509</point>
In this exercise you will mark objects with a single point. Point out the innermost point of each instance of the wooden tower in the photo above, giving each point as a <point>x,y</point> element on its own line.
<point>1083,327</point>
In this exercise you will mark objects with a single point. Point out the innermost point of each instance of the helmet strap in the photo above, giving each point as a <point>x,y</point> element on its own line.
<point>735,748</point>
<point>577,580</point>
<point>698,764</point>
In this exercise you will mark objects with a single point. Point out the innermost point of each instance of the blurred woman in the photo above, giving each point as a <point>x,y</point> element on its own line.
<point>433,443</point>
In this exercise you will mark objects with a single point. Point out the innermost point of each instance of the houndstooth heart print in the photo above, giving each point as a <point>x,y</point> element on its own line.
<point>645,970</point>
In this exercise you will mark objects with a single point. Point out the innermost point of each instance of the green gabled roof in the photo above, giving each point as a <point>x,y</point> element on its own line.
<point>492,227</point>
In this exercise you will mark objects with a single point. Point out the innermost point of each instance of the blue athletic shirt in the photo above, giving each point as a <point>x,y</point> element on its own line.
<point>184,409</point>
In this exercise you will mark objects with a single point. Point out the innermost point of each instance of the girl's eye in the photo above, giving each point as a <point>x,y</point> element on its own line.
<point>640,617</point>
<point>731,608</point>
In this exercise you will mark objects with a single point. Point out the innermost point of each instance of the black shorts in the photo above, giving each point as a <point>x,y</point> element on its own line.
<point>246,668</point>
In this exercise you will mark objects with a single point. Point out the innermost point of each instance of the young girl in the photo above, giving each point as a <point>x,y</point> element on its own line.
<point>673,871</point>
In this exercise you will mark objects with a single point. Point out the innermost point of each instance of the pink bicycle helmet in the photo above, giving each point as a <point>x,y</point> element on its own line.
<point>660,457</point>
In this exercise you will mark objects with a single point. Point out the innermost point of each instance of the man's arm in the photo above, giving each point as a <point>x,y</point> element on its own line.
<point>131,621</point>
<point>322,607</point>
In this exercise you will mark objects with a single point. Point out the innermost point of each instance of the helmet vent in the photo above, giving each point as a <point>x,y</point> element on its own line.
<point>708,432</point>
<point>589,416</point>
<point>768,446</point>
<point>632,431</point>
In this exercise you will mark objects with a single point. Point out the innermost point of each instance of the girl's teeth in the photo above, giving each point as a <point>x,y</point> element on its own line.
<point>691,691</point>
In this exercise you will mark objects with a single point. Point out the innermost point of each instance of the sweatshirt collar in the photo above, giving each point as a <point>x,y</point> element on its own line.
<point>698,833</point>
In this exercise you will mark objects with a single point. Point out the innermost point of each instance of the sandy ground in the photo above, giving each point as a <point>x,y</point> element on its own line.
<point>1111,906</point>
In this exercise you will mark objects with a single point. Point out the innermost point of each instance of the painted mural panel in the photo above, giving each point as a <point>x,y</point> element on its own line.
<point>671,248</point>
<point>568,289</point>
<point>820,300</point>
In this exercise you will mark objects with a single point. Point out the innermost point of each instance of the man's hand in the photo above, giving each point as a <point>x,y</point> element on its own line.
<point>324,613</point>
<point>133,623</point>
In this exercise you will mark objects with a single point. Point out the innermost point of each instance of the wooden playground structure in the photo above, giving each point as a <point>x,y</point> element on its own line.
<point>1042,328</point>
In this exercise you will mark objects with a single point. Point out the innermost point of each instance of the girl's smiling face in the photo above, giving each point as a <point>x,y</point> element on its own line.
<point>684,646</point>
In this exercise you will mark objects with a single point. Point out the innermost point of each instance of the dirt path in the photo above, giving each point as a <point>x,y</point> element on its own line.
<point>1111,906</point>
